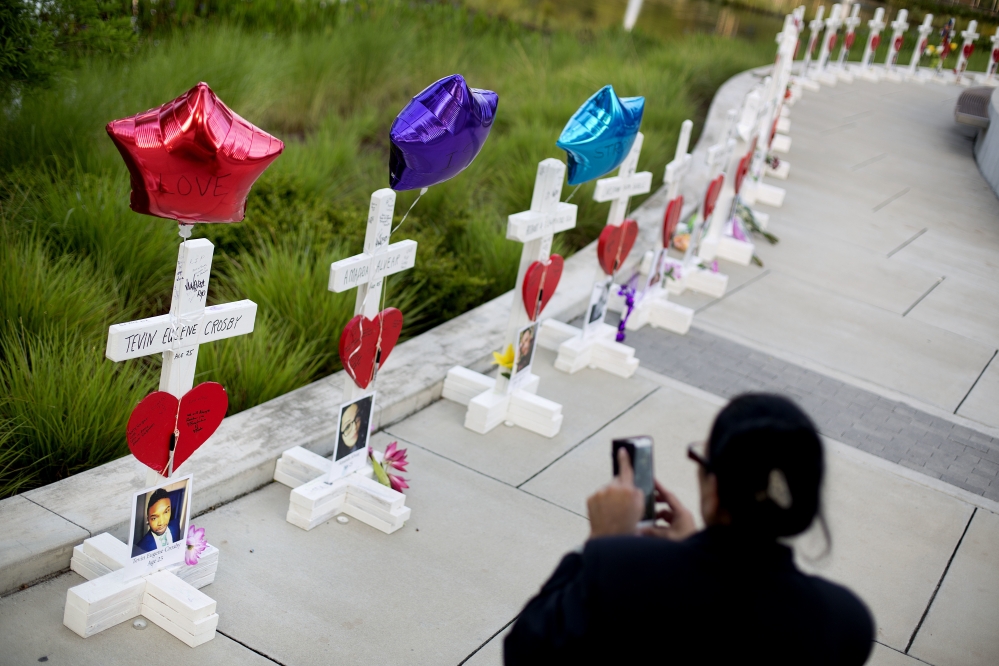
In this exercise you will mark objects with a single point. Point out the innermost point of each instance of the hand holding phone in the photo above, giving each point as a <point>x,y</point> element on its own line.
<point>640,455</point>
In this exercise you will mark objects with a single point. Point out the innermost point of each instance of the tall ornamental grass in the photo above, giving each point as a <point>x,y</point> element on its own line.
<point>75,259</point>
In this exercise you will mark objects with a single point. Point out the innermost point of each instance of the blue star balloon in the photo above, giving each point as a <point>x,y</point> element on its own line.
<point>600,134</point>
<point>439,133</point>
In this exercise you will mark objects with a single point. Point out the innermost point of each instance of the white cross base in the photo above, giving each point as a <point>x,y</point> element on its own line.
<point>314,498</point>
<point>490,400</point>
<point>169,598</point>
<point>595,346</point>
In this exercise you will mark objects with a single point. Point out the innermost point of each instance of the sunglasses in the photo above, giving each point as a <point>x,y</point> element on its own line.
<point>693,454</point>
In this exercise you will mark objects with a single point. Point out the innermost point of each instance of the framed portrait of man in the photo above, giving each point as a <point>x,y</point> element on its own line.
<point>354,429</point>
<point>527,339</point>
<point>160,516</point>
<point>598,306</point>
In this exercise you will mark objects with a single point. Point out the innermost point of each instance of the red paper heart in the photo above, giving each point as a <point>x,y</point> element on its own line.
<point>671,219</point>
<point>995,55</point>
<point>848,40</point>
<point>365,344</point>
<point>743,169</point>
<point>615,243</point>
<point>540,282</point>
<point>711,196</point>
<point>875,40</point>
<point>195,417</point>
<point>967,50</point>
<point>832,41</point>
<point>898,43</point>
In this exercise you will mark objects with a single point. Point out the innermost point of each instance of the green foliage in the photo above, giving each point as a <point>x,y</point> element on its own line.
<point>27,50</point>
<point>328,80</point>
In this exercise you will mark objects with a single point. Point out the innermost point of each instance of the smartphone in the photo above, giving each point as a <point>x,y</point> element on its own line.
<point>640,453</point>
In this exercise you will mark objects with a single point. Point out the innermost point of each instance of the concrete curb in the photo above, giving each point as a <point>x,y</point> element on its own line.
<point>41,526</point>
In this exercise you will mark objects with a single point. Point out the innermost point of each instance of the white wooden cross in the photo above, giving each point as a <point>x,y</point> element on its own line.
<point>924,30</point>
<point>693,276</point>
<point>169,597</point>
<point>654,307</point>
<point>490,400</point>
<point>993,57</point>
<point>594,346</point>
<point>189,324</point>
<point>315,497</point>
<point>815,25</point>
<point>851,22</point>
<point>898,27</point>
<point>703,243</point>
<point>832,27</point>
<point>970,35</point>
<point>367,271</point>
<point>876,25</point>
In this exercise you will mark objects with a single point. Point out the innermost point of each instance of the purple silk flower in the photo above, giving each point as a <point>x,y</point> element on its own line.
<point>439,133</point>
<point>196,544</point>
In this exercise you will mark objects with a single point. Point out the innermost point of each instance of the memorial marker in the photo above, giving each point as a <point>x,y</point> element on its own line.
<point>924,31</point>
<point>828,43</point>
<point>654,307</point>
<point>876,25</point>
<point>898,26</point>
<point>323,488</point>
<point>970,35</point>
<point>595,345</point>
<point>851,22</point>
<point>510,396</point>
<point>990,73</point>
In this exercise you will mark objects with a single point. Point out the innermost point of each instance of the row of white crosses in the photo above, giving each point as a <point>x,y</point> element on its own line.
<point>595,345</point>
<point>512,399</point>
<point>168,597</point>
<point>323,488</point>
<point>866,68</point>
<point>654,307</point>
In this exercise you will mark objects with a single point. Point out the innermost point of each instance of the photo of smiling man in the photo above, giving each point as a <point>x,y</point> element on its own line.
<point>160,517</point>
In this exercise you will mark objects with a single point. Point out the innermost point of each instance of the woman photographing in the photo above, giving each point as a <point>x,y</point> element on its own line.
<point>727,594</point>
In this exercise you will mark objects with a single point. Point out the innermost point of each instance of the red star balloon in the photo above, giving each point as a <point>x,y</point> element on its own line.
<point>193,159</point>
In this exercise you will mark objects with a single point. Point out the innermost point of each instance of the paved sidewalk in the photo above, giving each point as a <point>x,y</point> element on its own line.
<point>493,514</point>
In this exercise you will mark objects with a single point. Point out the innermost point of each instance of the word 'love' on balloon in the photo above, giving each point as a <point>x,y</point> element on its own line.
<point>192,159</point>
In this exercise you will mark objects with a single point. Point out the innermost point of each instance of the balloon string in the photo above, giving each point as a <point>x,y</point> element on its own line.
<point>573,193</point>
<point>422,192</point>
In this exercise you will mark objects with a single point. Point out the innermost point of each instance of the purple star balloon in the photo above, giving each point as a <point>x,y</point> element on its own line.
<point>439,133</point>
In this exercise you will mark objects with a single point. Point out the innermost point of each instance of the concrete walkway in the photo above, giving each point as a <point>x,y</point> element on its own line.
<point>493,514</point>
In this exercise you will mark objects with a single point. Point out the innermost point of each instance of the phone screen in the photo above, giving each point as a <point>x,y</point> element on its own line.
<point>640,453</point>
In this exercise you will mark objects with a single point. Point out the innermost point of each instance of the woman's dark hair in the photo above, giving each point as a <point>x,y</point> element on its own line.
<point>767,457</point>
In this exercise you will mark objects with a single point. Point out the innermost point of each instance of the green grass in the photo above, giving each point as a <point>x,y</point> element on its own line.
<point>75,259</point>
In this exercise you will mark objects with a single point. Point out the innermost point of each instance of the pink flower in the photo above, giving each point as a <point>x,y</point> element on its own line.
<point>737,232</point>
<point>714,266</point>
<point>398,483</point>
<point>196,545</point>
<point>395,458</point>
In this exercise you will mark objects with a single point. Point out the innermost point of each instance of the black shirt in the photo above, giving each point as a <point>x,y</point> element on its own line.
<point>719,597</point>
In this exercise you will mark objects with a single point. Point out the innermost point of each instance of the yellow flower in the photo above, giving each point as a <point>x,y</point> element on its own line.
<point>504,360</point>
<point>953,46</point>
<point>931,49</point>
